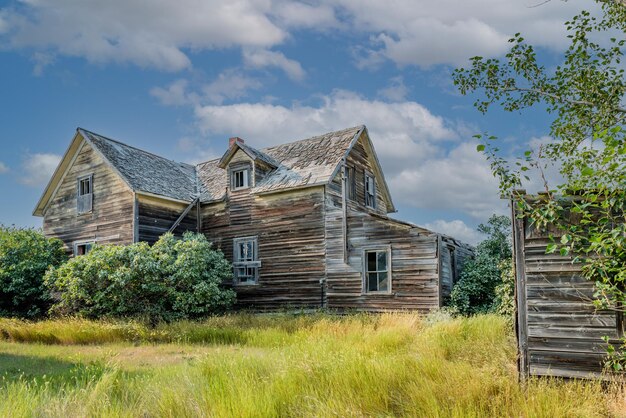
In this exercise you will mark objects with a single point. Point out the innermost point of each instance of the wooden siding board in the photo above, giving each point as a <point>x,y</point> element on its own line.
<point>110,221</point>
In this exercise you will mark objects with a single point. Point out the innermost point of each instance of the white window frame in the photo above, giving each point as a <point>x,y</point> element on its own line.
<point>82,197</point>
<point>366,272</point>
<point>370,195</point>
<point>245,173</point>
<point>77,244</point>
<point>254,264</point>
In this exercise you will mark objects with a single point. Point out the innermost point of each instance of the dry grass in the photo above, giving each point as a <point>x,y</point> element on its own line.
<point>283,365</point>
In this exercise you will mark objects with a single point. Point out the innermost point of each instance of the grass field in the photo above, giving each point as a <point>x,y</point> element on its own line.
<point>281,365</point>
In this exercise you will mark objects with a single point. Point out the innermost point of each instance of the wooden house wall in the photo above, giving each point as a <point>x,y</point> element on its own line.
<point>110,221</point>
<point>156,216</point>
<point>290,231</point>
<point>559,331</point>
<point>358,159</point>
<point>453,257</point>
<point>414,261</point>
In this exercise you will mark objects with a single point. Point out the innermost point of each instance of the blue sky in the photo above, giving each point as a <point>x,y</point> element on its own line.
<point>179,78</point>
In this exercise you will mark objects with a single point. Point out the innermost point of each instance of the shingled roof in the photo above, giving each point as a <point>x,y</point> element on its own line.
<point>146,172</point>
<point>304,163</point>
<point>307,162</point>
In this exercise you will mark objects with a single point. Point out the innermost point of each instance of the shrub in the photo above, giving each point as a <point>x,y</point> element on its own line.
<point>173,279</point>
<point>475,291</point>
<point>25,255</point>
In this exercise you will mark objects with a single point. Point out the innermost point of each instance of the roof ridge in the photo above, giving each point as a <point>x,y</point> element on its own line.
<point>314,137</point>
<point>133,147</point>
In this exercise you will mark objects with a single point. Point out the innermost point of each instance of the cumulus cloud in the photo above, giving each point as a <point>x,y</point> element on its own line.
<point>38,168</point>
<point>396,91</point>
<point>457,229</point>
<point>3,168</point>
<point>145,33</point>
<point>160,34</point>
<point>426,33</point>
<point>173,95</point>
<point>263,58</point>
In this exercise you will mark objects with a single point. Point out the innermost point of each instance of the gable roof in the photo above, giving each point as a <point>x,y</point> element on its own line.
<point>144,171</point>
<point>309,162</point>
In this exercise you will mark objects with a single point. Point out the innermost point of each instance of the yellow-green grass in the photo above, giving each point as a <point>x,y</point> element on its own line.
<point>282,365</point>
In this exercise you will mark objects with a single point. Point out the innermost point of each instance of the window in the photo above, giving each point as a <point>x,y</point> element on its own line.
<point>351,183</point>
<point>246,260</point>
<point>84,200</point>
<point>82,248</point>
<point>377,271</point>
<point>240,179</point>
<point>370,191</point>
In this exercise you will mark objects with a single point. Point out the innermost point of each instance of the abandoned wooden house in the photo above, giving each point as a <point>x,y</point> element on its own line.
<point>304,223</point>
<point>559,331</point>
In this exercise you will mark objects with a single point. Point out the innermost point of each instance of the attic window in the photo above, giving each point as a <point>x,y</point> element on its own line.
<point>240,179</point>
<point>370,191</point>
<point>84,199</point>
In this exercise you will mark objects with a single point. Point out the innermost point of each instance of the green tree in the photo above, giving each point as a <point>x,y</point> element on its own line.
<point>584,94</point>
<point>173,279</point>
<point>25,255</point>
<point>475,292</point>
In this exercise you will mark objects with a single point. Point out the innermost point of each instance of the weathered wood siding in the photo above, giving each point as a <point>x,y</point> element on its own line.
<point>559,331</point>
<point>110,221</point>
<point>359,159</point>
<point>156,216</point>
<point>414,260</point>
<point>453,256</point>
<point>290,231</point>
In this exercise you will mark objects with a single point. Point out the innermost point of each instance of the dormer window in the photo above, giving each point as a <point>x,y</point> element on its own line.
<point>370,191</point>
<point>240,179</point>
<point>84,199</point>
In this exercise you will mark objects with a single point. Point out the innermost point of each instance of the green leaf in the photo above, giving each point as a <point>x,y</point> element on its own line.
<point>550,248</point>
<point>587,171</point>
<point>480,147</point>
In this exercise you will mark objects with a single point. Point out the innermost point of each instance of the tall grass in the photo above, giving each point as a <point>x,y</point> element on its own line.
<point>268,366</point>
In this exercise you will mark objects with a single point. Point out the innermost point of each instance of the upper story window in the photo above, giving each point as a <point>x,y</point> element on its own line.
<point>246,260</point>
<point>351,182</point>
<point>377,271</point>
<point>370,191</point>
<point>84,200</point>
<point>240,179</point>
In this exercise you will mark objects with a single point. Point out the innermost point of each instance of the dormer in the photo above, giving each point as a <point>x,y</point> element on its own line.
<point>245,166</point>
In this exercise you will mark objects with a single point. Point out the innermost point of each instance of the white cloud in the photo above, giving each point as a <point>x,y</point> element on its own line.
<point>3,168</point>
<point>263,58</point>
<point>403,133</point>
<point>459,179</point>
<point>38,168</point>
<point>457,229</point>
<point>426,33</point>
<point>396,91</point>
<point>173,95</point>
<point>146,33</point>
<point>230,84</point>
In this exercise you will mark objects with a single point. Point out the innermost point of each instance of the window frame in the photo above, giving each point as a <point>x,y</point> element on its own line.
<point>81,196</point>
<point>85,243</point>
<point>255,263</point>
<point>366,272</point>
<point>366,177</point>
<point>245,177</point>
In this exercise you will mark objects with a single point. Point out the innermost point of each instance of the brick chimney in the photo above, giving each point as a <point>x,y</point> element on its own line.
<point>231,141</point>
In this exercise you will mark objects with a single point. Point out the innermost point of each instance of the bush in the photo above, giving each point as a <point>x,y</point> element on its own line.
<point>173,279</point>
<point>475,291</point>
<point>25,255</point>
